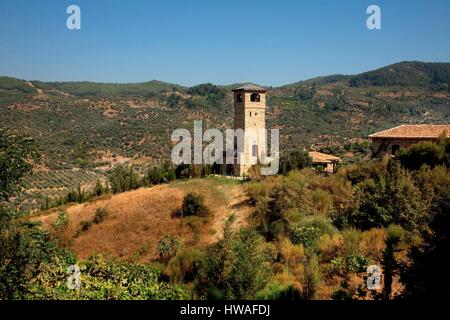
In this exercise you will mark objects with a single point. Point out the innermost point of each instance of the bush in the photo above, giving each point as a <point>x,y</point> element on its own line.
<point>234,268</point>
<point>310,230</point>
<point>100,215</point>
<point>124,179</point>
<point>169,246</point>
<point>104,279</point>
<point>85,225</point>
<point>295,160</point>
<point>182,267</point>
<point>61,221</point>
<point>279,291</point>
<point>160,174</point>
<point>99,189</point>
<point>417,155</point>
<point>292,255</point>
<point>312,277</point>
<point>306,235</point>
<point>391,197</point>
<point>193,205</point>
<point>354,263</point>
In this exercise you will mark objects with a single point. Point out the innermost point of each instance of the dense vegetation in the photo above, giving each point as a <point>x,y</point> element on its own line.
<point>435,76</point>
<point>310,237</point>
<point>33,266</point>
<point>94,126</point>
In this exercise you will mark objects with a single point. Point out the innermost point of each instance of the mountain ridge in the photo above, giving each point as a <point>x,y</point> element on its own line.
<point>92,125</point>
<point>428,72</point>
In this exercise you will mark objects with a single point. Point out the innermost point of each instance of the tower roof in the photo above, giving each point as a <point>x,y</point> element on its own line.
<point>250,87</point>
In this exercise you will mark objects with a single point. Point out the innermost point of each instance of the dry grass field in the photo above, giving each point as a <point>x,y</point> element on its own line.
<point>137,220</point>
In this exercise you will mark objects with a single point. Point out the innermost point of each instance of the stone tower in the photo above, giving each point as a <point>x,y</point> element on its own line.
<point>249,113</point>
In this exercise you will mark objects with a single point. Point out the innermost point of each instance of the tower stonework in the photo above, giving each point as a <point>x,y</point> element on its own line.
<point>250,116</point>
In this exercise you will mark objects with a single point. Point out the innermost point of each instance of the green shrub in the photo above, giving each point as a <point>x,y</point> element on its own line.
<point>278,291</point>
<point>169,246</point>
<point>296,159</point>
<point>160,174</point>
<point>99,189</point>
<point>309,230</point>
<point>356,262</point>
<point>100,215</point>
<point>104,279</point>
<point>182,267</point>
<point>193,205</point>
<point>306,235</point>
<point>427,152</point>
<point>391,197</point>
<point>61,221</point>
<point>312,278</point>
<point>236,267</point>
<point>124,179</point>
<point>85,225</point>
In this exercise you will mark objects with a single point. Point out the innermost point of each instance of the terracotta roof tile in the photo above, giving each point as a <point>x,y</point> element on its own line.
<point>410,131</point>
<point>319,157</point>
<point>250,87</point>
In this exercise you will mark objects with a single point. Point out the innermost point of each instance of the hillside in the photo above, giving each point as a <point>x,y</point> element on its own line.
<point>429,75</point>
<point>94,126</point>
<point>137,220</point>
<point>435,76</point>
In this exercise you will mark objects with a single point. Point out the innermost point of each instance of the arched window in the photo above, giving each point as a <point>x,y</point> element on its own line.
<point>239,97</point>
<point>254,97</point>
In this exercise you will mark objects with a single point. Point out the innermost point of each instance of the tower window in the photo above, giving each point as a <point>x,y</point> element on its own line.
<point>254,97</point>
<point>254,150</point>
<point>239,97</point>
<point>250,113</point>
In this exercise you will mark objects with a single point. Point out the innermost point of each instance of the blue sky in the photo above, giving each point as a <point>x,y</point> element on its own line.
<point>190,42</point>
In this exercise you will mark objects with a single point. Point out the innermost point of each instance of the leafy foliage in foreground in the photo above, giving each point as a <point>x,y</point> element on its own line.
<point>234,268</point>
<point>104,278</point>
<point>311,237</point>
<point>16,152</point>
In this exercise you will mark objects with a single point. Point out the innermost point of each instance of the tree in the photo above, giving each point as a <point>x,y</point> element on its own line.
<point>160,174</point>
<point>390,265</point>
<point>23,246</point>
<point>247,270</point>
<point>123,179</point>
<point>295,160</point>
<point>193,205</point>
<point>425,277</point>
<point>16,156</point>
<point>390,197</point>
<point>236,267</point>
<point>428,153</point>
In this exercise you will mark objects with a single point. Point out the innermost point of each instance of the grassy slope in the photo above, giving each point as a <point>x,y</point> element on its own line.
<point>137,220</point>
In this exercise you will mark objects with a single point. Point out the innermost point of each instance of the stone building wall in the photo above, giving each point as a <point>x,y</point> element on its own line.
<point>249,115</point>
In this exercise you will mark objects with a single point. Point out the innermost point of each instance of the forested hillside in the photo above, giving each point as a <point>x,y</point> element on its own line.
<point>94,126</point>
